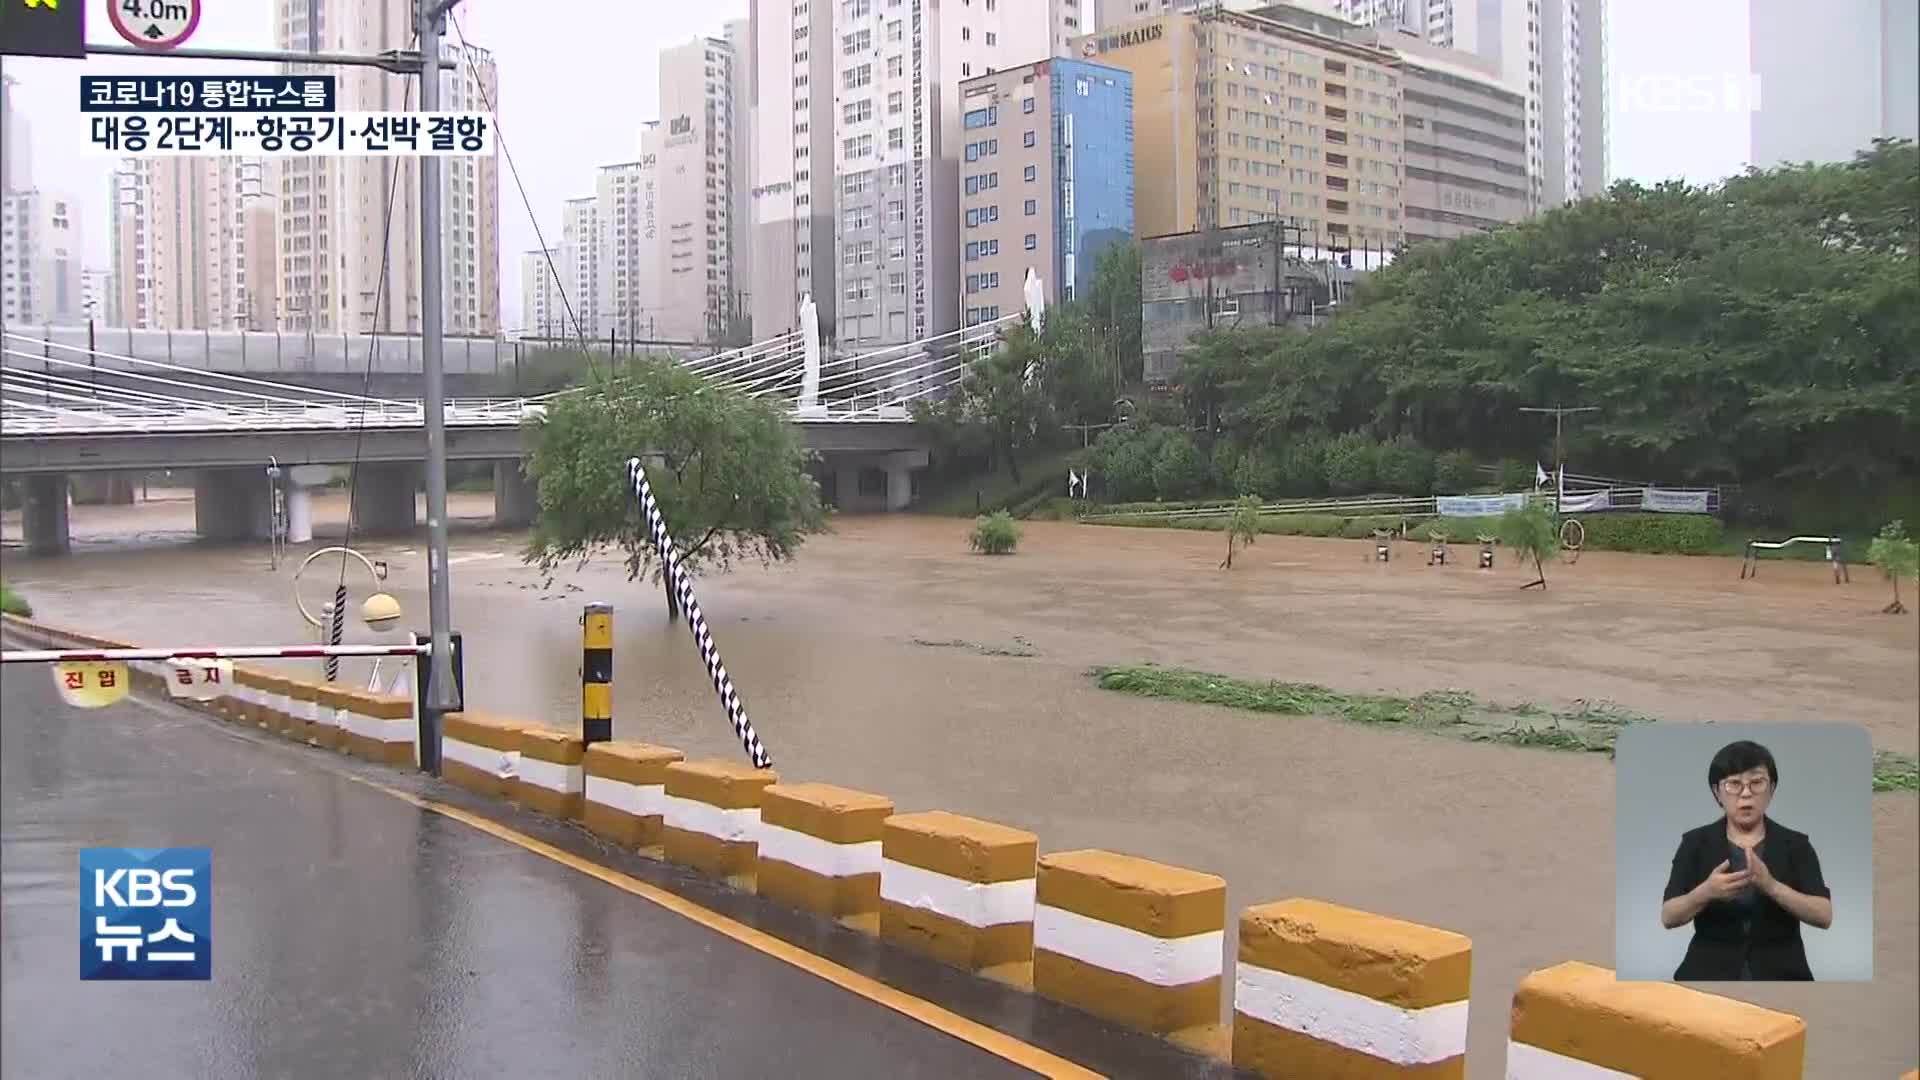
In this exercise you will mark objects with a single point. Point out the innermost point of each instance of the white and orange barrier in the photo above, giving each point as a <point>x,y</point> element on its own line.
<point>820,850</point>
<point>626,791</point>
<point>1324,990</point>
<point>480,752</point>
<point>960,890</point>
<point>1136,942</point>
<point>303,710</point>
<point>550,778</point>
<point>1577,1022</point>
<point>379,727</point>
<point>711,820</point>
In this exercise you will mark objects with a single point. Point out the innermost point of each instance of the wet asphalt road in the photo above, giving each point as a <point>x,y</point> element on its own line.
<point>359,935</point>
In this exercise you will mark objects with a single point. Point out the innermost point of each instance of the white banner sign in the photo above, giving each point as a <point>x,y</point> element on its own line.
<point>201,680</point>
<point>1586,503</point>
<point>1674,502</point>
<point>340,134</point>
<point>1478,505</point>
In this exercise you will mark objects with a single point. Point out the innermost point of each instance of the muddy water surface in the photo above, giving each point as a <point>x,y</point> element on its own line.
<point>887,658</point>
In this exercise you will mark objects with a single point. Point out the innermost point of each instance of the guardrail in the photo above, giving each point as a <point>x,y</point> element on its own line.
<point>1581,502</point>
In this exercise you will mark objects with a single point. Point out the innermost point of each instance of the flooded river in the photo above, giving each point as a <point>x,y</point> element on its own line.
<point>888,658</point>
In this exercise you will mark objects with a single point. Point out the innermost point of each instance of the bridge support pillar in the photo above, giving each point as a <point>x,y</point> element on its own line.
<point>515,496</point>
<point>103,489</point>
<point>45,515</point>
<point>232,504</point>
<point>869,482</point>
<point>384,502</point>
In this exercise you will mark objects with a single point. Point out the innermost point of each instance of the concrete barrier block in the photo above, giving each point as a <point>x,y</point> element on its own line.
<point>303,710</point>
<point>480,752</point>
<point>626,793</point>
<point>332,703</point>
<point>249,684</point>
<point>711,818</point>
<point>1325,990</point>
<point>1140,943</point>
<point>959,890</point>
<point>380,727</point>
<point>550,778</point>
<point>1577,1020</point>
<point>820,850</point>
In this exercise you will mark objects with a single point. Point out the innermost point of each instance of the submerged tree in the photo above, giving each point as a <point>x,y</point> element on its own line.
<point>730,473</point>
<point>1243,526</point>
<point>1529,531</point>
<point>1897,556</point>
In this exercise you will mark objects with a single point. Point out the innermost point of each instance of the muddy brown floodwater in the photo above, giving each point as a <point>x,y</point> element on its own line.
<point>887,658</point>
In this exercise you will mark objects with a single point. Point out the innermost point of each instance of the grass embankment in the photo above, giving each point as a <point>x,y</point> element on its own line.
<point>1585,727</point>
<point>1040,477</point>
<point>13,603</point>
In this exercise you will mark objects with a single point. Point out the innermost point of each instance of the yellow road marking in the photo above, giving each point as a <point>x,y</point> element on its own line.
<point>945,1021</point>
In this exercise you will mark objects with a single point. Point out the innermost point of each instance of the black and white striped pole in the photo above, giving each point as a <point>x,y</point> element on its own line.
<point>337,629</point>
<point>682,588</point>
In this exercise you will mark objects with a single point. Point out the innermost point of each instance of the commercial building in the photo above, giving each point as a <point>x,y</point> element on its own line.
<point>349,227</point>
<point>1046,180</point>
<point>40,253</point>
<point>1242,118</point>
<point>1465,153</point>
<point>895,153</point>
<point>1242,275</point>
<point>1831,84</point>
<point>1551,51</point>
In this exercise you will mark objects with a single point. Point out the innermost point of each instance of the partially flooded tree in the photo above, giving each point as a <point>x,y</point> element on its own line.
<point>1897,556</point>
<point>1242,526</point>
<point>731,474</point>
<point>1529,531</point>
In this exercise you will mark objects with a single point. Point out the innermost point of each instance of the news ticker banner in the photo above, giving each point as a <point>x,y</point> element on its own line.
<point>262,116</point>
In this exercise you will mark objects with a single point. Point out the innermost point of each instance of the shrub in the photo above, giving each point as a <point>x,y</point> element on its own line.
<point>1179,469</point>
<point>1516,475</point>
<point>13,603</point>
<point>994,534</point>
<point>1257,472</point>
<point>1404,467</point>
<point>1124,459</point>
<point>1661,534</point>
<point>1455,473</point>
<point>1350,464</point>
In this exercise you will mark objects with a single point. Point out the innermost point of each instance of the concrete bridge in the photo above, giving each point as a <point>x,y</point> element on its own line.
<point>73,411</point>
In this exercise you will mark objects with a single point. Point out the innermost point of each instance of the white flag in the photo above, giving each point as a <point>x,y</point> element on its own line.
<point>1539,474</point>
<point>1075,483</point>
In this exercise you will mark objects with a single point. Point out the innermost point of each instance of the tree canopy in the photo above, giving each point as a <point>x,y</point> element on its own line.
<point>731,474</point>
<point>1759,329</point>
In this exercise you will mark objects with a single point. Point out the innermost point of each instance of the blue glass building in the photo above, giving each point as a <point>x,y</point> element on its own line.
<point>1093,167</point>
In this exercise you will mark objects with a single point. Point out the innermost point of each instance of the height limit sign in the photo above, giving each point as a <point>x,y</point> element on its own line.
<point>156,25</point>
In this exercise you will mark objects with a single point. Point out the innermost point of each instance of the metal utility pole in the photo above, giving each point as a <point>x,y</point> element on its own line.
<point>441,692</point>
<point>1559,445</point>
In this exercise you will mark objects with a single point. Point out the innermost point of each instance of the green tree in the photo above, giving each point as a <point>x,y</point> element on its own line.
<point>1112,304</point>
<point>1897,556</point>
<point>1242,526</point>
<point>1303,467</point>
<point>1001,402</point>
<point>1125,456</point>
<point>1180,470</point>
<point>1351,464</point>
<point>1405,467</point>
<point>731,474</point>
<point>1455,473</point>
<point>1530,533</point>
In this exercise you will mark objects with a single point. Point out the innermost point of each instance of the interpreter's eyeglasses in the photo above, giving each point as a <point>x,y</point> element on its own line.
<point>1733,785</point>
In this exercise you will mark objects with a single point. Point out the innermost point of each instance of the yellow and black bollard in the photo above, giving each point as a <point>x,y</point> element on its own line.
<point>596,673</point>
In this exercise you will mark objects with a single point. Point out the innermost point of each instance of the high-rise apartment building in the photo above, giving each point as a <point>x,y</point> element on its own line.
<point>40,253</point>
<point>541,313</point>
<point>1242,118</point>
<point>790,108</point>
<point>96,286</point>
<point>896,140</point>
<point>1830,84</point>
<point>16,142</point>
<point>627,213</point>
<point>347,263</point>
<point>1046,180</point>
<point>580,265</point>
<point>739,35</point>
<point>697,300</point>
<point>1551,51</point>
<point>191,243</point>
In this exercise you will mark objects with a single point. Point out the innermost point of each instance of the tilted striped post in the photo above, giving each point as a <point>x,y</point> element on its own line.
<point>596,673</point>
<point>682,587</point>
<point>1577,1021</point>
<point>1325,990</point>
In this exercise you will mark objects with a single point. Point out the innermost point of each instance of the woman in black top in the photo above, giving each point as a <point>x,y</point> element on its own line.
<point>1745,881</point>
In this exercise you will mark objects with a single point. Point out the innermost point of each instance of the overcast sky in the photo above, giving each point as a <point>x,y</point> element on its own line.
<point>577,77</point>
